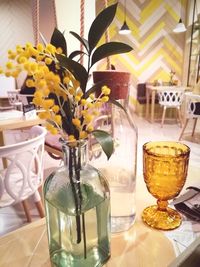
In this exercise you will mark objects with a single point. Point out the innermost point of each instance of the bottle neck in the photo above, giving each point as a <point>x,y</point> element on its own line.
<point>75,155</point>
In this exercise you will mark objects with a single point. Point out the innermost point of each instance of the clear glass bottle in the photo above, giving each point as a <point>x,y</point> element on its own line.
<point>77,203</point>
<point>120,169</point>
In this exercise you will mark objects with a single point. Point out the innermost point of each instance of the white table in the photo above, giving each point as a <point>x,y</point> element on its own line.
<point>139,246</point>
<point>15,123</point>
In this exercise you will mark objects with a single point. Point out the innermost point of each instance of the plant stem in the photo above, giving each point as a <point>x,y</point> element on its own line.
<point>84,236</point>
<point>78,223</point>
<point>77,167</point>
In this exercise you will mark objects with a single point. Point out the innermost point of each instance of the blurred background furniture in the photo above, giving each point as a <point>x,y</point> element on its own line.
<point>6,84</point>
<point>24,173</point>
<point>142,99</point>
<point>194,45</point>
<point>192,111</point>
<point>171,98</point>
<point>151,92</point>
<point>53,146</point>
<point>14,100</point>
<point>12,123</point>
<point>26,98</point>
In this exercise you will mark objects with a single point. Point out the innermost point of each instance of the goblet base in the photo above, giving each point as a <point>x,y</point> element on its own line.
<point>162,220</point>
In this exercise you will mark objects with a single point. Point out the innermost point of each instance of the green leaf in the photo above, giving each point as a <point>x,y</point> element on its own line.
<point>105,140</point>
<point>109,49</point>
<point>81,40</point>
<point>75,53</point>
<point>100,24</point>
<point>75,68</point>
<point>58,40</point>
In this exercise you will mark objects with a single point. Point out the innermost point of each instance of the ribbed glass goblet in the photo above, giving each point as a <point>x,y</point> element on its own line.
<point>165,166</point>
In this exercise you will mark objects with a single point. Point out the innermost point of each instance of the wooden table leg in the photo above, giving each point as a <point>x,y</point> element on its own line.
<point>153,98</point>
<point>2,144</point>
<point>147,103</point>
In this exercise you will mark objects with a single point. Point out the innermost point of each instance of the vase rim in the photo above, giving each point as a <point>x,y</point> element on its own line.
<point>77,143</point>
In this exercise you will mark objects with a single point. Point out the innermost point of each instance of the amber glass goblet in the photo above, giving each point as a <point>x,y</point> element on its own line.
<point>165,166</point>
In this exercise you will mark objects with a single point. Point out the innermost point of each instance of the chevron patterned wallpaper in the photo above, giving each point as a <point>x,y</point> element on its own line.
<point>16,25</point>
<point>157,50</point>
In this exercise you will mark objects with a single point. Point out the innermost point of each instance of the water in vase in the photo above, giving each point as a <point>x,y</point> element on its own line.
<point>93,248</point>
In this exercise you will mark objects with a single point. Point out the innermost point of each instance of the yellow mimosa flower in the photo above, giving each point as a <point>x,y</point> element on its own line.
<point>83,112</point>
<point>105,90</point>
<point>66,80</point>
<point>38,94</point>
<point>55,108</point>
<point>90,128</point>
<point>22,60</point>
<point>59,50</point>
<point>48,60</point>
<point>79,92</point>
<point>83,102</point>
<point>33,66</point>
<point>46,91</point>
<point>77,98</point>
<point>72,90</point>
<point>41,84</point>
<point>90,105</point>
<point>58,119</point>
<point>30,83</point>
<point>104,99</point>
<point>71,138</point>
<point>12,56</point>
<point>50,49</point>
<point>83,134</point>
<point>7,74</point>
<point>76,122</point>
<point>14,74</point>
<point>54,131</point>
<point>40,47</point>
<point>27,66</point>
<point>48,103</point>
<point>28,44</point>
<point>88,118</point>
<point>44,116</point>
<point>32,51</point>
<point>19,49</point>
<point>91,96</point>
<point>9,65</point>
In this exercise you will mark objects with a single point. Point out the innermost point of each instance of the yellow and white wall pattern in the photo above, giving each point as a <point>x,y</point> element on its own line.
<point>157,50</point>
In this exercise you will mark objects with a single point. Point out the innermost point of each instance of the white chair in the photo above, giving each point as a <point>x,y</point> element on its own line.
<point>192,111</point>
<point>24,172</point>
<point>14,100</point>
<point>26,98</point>
<point>171,98</point>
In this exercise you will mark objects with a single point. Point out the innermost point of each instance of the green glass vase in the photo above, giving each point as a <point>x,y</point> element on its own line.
<point>77,204</point>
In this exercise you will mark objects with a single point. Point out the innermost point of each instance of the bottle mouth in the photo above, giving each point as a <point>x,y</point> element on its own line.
<point>77,143</point>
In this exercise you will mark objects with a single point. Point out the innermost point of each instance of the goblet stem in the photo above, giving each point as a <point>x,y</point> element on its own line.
<point>162,205</point>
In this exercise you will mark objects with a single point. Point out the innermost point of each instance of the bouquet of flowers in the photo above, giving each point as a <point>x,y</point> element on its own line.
<point>61,81</point>
<point>69,107</point>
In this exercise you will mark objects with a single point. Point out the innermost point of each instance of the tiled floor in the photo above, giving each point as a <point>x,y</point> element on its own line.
<point>13,217</point>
